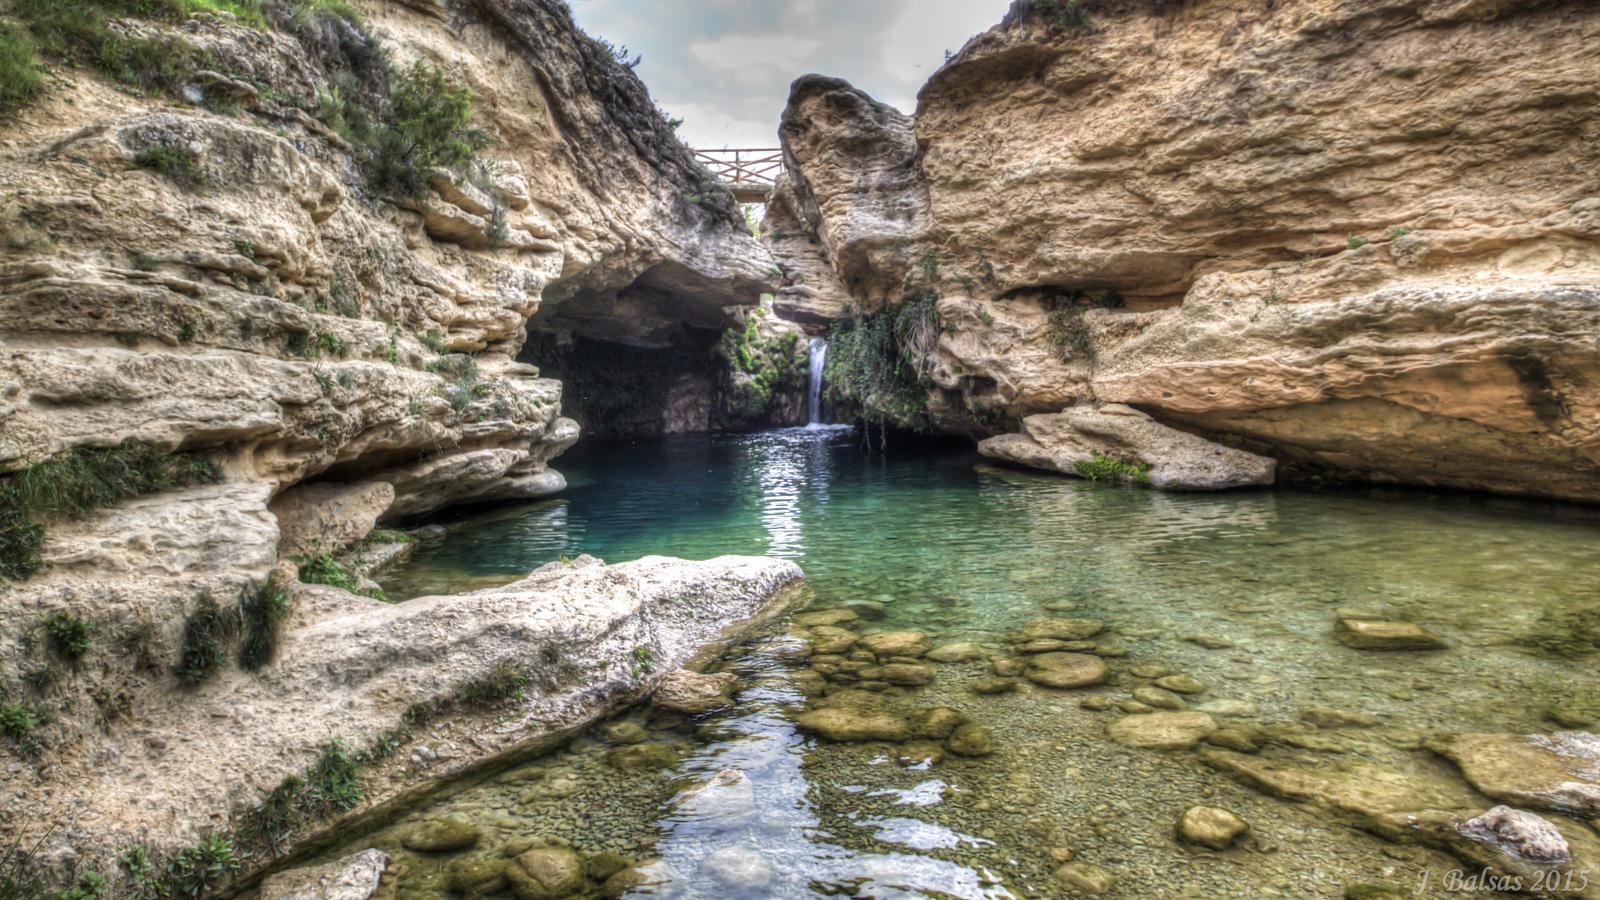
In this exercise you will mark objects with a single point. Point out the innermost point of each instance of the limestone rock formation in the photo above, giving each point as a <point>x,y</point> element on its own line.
<point>1359,238</point>
<point>353,878</point>
<point>569,631</point>
<point>246,267</point>
<point>1078,441</point>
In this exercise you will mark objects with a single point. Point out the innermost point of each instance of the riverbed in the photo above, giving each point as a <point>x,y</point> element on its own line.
<point>1238,591</point>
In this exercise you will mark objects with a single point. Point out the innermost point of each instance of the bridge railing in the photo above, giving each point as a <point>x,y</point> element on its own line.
<point>750,172</point>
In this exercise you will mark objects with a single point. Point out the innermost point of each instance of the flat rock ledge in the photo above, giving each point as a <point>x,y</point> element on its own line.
<point>1082,441</point>
<point>579,629</point>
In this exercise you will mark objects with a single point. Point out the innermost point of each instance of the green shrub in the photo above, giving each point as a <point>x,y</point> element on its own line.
<point>425,125</point>
<point>208,633</point>
<point>18,724</point>
<point>264,611</point>
<point>327,786</point>
<point>1104,468</point>
<point>323,568</point>
<point>175,162</point>
<point>80,33</point>
<point>1068,333</point>
<point>1067,13</point>
<point>79,480</point>
<point>199,870</point>
<point>433,340</point>
<point>89,886</point>
<point>1356,243</point>
<point>70,635</point>
<point>1397,232</point>
<point>20,81</point>
<point>876,361</point>
<point>387,536</point>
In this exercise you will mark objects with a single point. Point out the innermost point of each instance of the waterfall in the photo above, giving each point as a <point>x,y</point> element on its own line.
<point>819,357</point>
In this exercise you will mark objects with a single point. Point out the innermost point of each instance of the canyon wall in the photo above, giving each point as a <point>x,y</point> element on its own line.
<point>235,283</point>
<point>1361,238</point>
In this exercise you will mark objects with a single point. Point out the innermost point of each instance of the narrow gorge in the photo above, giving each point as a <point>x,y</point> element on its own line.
<point>1162,463</point>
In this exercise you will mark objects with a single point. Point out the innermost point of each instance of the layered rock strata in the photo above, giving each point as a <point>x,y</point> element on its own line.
<point>237,269</point>
<point>1362,238</point>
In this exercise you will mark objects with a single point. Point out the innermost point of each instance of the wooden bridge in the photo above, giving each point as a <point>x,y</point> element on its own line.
<point>749,172</point>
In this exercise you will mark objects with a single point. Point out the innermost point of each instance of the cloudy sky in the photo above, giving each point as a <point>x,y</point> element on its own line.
<point>724,66</point>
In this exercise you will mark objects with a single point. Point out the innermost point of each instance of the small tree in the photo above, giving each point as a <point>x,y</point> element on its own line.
<point>426,126</point>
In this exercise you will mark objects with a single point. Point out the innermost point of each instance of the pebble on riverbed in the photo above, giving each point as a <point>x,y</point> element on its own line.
<point>1211,826</point>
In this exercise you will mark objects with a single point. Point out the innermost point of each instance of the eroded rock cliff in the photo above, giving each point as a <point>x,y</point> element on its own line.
<point>282,264</point>
<point>1360,237</point>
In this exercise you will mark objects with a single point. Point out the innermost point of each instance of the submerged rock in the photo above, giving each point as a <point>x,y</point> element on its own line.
<point>954,653</point>
<point>897,643</point>
<point>1558,772</point>
<point>1061,629</point>
<point>643,757</point>
<point>828,640</point>
<point>602,866</point>
<point>1066,670</point>
<point>440,836</point>
<point>811,618</point>
<point>1211,826</point>
<point>638,880</point>
<point>1242,709</point>
<point>1182,684</point>
<point>477,876</point>
<point>725,800</point>
<point>1244,740</point>
<point>992,686</point>
<point>1086,878</point>
<point>545,873</point>
<point>970,740</point>
<point>908,674</point>
<point>847,724</point>
<point>1385,634</point>
<point>690,692</point>
<point>1007,667</point>
<point>354,877</point>
<point>1327,717</point>
<point>1162,730</point>
<point>625,732</point>
<point>739,869</point>
<point>1158,698</point>
<point>1519,833</point>
<point>938,723</point>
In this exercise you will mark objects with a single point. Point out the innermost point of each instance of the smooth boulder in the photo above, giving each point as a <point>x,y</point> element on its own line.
<point>691,692</point>
<point>1211,826</point>
<point>1162,730</point>
<point>546,873</point>
<point>1066,670</point>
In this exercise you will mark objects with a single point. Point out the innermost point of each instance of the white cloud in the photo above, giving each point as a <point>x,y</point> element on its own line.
<point>725,66</point>
<point>741,52</point>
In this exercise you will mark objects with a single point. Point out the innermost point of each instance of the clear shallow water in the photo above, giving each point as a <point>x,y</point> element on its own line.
<point>967,552</point>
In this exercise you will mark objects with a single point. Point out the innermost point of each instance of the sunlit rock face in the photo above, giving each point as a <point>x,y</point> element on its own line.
<point>1362,238</point>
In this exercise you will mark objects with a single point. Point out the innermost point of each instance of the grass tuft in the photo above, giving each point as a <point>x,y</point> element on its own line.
<point>264,611</point>
<point>207,635</point>
<point>175,162</point>
<point>20,80</point>
<point>1104,468</point>
<point>503,682</point>
<point>70,635</point>
<point>73,483</point>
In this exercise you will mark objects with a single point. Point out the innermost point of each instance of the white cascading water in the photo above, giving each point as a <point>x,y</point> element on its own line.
<point>819,355</point>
